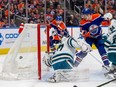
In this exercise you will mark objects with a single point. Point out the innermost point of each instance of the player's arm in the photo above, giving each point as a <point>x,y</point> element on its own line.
<point>84,33</point>
<point>62,27</point>
<point>79,43</point>
<point>53,24</point>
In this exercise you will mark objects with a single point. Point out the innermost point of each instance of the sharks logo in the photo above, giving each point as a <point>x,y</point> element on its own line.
<point>1,38</point>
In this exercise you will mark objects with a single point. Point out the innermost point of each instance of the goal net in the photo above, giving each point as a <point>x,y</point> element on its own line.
<point>24,60</point>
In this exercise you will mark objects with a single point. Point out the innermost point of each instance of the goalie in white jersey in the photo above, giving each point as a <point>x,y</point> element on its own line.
<point>110,43</point>
<point>63,59</point>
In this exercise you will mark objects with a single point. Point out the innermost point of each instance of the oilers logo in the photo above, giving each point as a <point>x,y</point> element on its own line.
<point>95,31</point>
<point>1,38</point>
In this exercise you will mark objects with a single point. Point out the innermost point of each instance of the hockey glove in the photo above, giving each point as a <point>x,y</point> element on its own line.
<point>86,35</point>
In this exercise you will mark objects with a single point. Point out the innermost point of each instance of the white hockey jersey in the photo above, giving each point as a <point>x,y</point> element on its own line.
<point>111,36</point>
<point>66,50</point>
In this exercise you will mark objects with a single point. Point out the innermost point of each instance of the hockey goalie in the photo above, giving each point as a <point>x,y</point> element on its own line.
<point>62,61</point>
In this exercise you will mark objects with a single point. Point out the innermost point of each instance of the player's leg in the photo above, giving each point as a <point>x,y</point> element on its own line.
<point>100,46</point>
<point>113,66</point>
<point>60,63</point>
<point>112,58</point>
<point>66,64</point>
<point>80,55</point>
<point>61,70</point>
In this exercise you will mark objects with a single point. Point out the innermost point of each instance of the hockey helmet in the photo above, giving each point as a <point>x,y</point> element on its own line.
<point>108,16</point>
<point>86,11</point>
<point>59,18</point>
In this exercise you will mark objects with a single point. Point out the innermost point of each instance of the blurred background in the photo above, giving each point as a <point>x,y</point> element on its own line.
<point>15,12</point>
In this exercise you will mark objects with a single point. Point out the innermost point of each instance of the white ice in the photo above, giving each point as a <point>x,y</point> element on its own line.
<point>96,76</point>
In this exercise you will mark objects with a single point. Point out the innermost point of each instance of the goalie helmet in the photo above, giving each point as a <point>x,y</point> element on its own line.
<point>112,27</point>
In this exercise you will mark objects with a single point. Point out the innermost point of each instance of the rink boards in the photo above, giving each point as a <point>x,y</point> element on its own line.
<point>8,37</point>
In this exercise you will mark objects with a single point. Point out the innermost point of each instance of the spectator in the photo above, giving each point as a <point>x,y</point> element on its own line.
<point>73,20</point>
<point>35,7</point>
<point>59,9</point>
<point>55,3</point>
<point>12,24</point>
<point>5,25</point>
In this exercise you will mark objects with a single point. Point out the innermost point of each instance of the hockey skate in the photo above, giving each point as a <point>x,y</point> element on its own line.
<point>111,73</point>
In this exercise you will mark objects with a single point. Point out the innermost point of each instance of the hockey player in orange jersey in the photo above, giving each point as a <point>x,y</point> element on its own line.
<point>91,30</point>
<point>59,31</point>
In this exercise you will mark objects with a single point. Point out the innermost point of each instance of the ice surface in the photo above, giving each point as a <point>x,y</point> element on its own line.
<point>96,76</point>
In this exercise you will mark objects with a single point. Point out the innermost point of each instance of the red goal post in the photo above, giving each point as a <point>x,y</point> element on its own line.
<point>39,44</point>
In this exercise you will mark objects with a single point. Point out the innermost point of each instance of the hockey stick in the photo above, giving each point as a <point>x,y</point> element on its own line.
<point>107,82</point>
<point>104,66</point>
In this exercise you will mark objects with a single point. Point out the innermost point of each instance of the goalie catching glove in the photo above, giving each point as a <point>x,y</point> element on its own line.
<point>46,59</point>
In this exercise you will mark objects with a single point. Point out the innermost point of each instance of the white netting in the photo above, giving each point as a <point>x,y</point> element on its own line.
<point>21,61</point>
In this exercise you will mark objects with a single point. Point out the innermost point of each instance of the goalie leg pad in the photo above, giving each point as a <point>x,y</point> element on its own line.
<point>69,75</point>
<point>66,64</point>
<point>61,76</point>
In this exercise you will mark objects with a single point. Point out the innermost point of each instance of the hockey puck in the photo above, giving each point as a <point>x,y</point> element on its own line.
<point>75,86</point>
<point>20,57</point>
